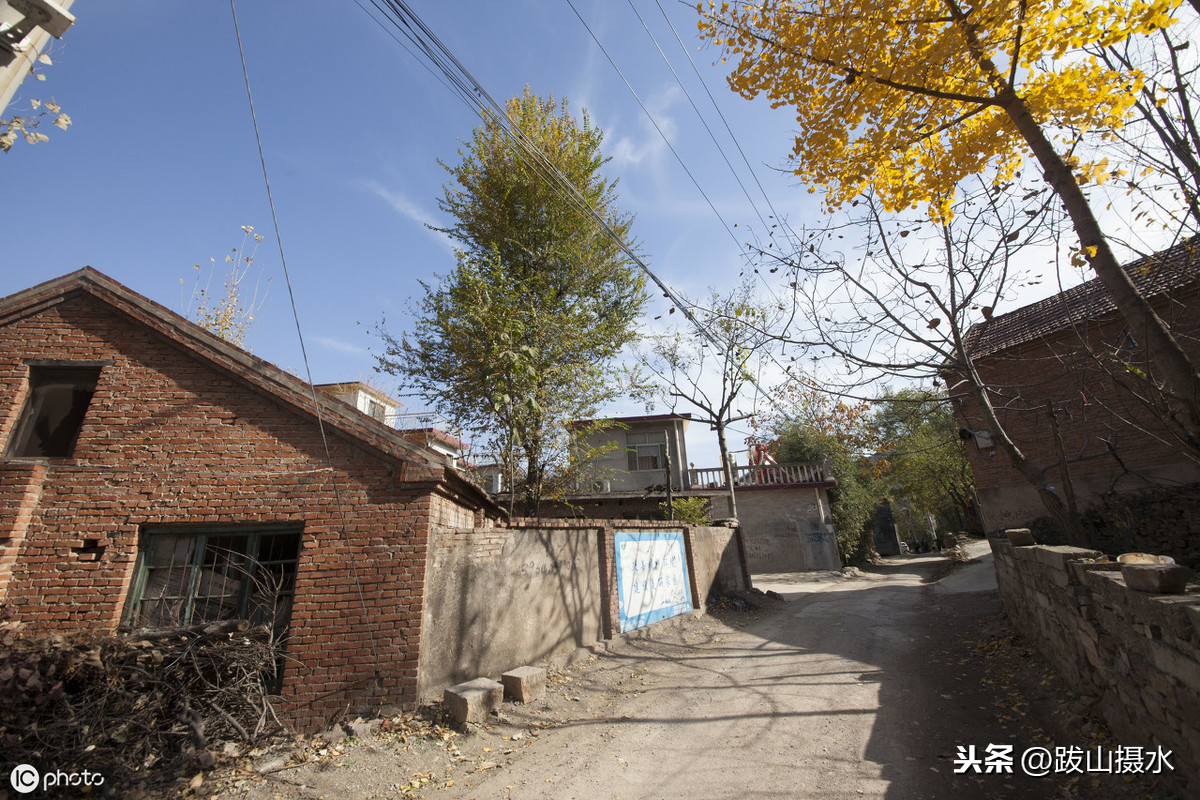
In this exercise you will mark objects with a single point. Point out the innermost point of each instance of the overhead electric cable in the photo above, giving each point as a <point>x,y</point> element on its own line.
<point>699,115</point>
<point>728,128</point>
<point>767,227</point>
<point>337,497</point>
<point>654,122</point>
<point>399,14</point>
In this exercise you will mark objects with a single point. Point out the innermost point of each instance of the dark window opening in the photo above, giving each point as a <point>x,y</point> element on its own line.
<point>58,399</point>
<point>194,578</point>
<point>197,577</point>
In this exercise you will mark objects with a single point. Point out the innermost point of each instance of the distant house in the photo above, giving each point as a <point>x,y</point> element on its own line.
<point>783,509</point>
<point>416,427</point>
<point>1072,355</point>
<point>155,475</point>
<point>366,399</point>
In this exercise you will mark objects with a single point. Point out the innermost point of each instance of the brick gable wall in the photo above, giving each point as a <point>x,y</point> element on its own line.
<point>1112,441</point>
<point>170,439</point>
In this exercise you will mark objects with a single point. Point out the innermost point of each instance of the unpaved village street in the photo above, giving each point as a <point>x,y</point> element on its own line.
<point>849,687</point>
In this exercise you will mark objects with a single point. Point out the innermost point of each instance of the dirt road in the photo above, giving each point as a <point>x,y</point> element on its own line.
<point>850,687</point>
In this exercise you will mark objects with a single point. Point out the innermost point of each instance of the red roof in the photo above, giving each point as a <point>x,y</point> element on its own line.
<point>1154,275</point>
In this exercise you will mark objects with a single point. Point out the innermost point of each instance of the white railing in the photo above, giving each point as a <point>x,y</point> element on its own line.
<point>765,475</point>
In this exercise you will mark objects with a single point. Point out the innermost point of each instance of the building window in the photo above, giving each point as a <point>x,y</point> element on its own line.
<point>195,577</point>
<point>53,415</point>
<point>646,451</point>
<point>376,410</point>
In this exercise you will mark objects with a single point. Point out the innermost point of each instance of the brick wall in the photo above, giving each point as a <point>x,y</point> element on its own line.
<point>171,439</point>
<point>1136,655</point>
<point>1112,441</point>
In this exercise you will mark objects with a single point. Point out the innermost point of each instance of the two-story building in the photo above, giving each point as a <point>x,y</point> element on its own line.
<point>783,509</point>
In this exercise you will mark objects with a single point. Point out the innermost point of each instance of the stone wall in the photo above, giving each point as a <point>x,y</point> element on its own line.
<point>1136,654</point>
<point>1165,520</point>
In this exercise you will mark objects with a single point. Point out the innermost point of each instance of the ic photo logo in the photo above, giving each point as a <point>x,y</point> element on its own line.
<point>24,778</point>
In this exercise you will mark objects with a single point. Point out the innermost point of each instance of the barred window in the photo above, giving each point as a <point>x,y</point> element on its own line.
<point>194,577</point>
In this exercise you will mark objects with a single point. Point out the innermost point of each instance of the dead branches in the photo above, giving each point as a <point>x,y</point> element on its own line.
<point>121,705</point>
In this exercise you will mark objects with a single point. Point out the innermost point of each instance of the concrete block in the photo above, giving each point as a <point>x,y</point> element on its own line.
<point>473,701</point>
<point>524,684</point>
<point>1020,537</point>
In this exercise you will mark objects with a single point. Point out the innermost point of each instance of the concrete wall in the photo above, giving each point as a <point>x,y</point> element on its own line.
<point>786,529</point>
<point>1136,654</point>
<point>499,598</point>
<point>715,563</point>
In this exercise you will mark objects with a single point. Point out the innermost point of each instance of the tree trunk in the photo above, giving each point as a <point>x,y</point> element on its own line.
<point>1028,470</point>
<point>1162,349</point>
<point>726,469</point>
<point>1164,352</point>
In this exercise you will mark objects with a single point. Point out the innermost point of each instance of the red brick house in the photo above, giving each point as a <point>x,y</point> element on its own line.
<point>1073,355</point>
<point>153,474</point>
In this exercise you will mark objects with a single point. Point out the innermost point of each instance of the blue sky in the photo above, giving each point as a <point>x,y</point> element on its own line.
<point>160,168</point>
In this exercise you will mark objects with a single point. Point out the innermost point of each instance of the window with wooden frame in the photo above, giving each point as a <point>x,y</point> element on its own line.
<point>646,451</point>
<point>193,577</point>
<point>50,422</point>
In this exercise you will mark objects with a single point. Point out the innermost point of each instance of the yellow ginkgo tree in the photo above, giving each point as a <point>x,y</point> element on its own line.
<point>906,98</point>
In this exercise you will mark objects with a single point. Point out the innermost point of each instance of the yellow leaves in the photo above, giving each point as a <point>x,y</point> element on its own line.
<point>899,98</point>
<point>1080,255</point>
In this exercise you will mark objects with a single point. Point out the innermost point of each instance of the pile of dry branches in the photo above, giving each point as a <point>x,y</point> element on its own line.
<point>124,704</point>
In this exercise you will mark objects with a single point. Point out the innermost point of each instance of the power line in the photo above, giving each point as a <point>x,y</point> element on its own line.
<point>654,122</point>
<point>300,335</point>
<point>728,129</point>
<point>699,115</point>
<point>399,14</point>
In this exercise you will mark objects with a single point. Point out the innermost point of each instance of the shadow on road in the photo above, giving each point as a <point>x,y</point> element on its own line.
<point>864,686</point>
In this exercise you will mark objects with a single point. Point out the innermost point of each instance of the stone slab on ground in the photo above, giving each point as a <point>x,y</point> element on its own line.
<point>524,684</point>
<point>473,701</point>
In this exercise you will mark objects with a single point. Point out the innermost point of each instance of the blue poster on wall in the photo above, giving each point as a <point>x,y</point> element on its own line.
<point>652,582</point>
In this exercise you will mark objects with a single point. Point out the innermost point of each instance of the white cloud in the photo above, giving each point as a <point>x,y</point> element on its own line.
<point>339,345</point>
<point>650,148</point>
<point>408,209</point>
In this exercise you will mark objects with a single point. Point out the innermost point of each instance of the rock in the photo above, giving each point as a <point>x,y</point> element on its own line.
<point>362,729</point>
<point>473,701</point>
<point>334,734</point>
<point>270,763</point>
<point>524,684</point>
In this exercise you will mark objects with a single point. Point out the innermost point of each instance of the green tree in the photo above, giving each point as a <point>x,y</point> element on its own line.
<point>820,429</point>
<point>907,98</point>
<point>521,336</point>
<point>920,459</point>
